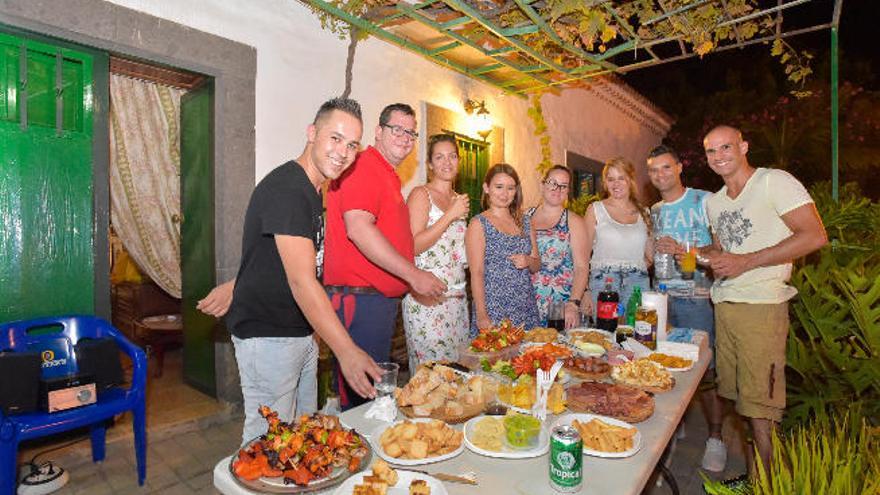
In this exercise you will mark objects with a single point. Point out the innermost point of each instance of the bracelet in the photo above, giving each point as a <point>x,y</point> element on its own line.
<point>576,302</point>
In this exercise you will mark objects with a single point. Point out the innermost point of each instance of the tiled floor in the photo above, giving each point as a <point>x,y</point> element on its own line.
<point>181,455</point>
<point>187,431</point>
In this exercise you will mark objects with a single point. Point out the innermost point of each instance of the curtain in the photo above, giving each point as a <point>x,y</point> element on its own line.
<point>145,176</point>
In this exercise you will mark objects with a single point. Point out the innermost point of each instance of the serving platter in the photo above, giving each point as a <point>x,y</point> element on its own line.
<point>507,451</point>
<point>276,484</point>
<point>568,419</point>
<point>404,478</point>
<point>376,434</point>
<point>679,349</point>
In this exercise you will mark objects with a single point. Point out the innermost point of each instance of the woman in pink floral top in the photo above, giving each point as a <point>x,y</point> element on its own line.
<point>436,327</point>
<point>561,238</point>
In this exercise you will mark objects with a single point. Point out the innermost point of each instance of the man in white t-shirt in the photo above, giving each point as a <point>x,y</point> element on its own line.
<point>762,220</point>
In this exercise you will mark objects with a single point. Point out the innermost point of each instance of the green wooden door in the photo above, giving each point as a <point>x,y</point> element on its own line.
<point>197,233</point>
<point>46,194</point>
<point>473,164</point>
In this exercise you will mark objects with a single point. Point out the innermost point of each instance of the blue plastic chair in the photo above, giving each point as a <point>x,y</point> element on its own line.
<point>15,336</point>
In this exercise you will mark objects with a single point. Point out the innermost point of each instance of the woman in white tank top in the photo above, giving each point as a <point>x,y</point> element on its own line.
<point>618,233</point>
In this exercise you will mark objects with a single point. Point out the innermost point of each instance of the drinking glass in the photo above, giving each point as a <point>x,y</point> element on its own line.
<point>386,385</point>
<point>689,258</point>
<point>556,315</point>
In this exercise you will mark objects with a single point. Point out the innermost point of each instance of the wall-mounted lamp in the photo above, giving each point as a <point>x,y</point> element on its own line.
<point>482,121</point>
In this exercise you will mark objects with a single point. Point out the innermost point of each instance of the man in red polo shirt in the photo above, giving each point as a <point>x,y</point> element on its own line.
<point>368,263</point>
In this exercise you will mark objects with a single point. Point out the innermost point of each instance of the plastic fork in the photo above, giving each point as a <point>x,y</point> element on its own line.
<point>540,406</point>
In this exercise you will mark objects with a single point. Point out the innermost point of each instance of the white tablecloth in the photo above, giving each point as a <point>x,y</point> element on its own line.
<point>531,476</point>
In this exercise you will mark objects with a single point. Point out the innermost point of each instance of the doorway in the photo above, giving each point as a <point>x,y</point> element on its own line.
<point>54,183</point>
<point>162,204</point>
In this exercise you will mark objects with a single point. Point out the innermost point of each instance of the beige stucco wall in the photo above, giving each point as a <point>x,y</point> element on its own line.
<point>299,65</point>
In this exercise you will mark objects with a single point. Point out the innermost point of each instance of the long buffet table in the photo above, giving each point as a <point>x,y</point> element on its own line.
<point>530,476</point>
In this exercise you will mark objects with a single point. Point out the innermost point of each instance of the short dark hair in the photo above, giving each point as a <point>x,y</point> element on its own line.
<point>663,150</point>
<point>403,108</point>
<point>346,105</point>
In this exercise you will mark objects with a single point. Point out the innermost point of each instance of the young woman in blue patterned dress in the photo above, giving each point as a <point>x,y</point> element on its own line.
<point>562,244</point>
<point>502,253</point>
<point>436,327</point>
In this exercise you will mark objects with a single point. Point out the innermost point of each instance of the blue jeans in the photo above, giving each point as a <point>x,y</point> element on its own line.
<point>279,372</point>
<point>696,313</point>
<point>625,279</point>
<point>370,320</point>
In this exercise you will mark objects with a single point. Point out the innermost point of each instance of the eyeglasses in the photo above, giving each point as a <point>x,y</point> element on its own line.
<point>555,186</point>
<point>398,131</point>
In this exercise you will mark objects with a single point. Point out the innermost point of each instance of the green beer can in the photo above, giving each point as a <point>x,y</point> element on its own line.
<point>566,459</point>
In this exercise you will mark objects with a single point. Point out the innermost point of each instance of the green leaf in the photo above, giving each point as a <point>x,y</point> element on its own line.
<point>777,48</point>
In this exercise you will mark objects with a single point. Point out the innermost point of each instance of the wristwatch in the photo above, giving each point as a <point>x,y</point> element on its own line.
<point>577,302</point>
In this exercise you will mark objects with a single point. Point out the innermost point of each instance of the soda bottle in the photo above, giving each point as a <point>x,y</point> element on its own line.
<point>635,300</point>
<point>606,307</point>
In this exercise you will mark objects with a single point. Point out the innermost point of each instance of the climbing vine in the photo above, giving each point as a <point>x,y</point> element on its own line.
<point>536,113</point>
<point>596,26</point>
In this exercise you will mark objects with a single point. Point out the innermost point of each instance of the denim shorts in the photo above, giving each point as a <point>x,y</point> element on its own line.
<point>624,280</point>
<point>696,313</point>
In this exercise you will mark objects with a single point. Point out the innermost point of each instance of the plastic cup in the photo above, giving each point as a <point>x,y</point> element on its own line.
<point>386,385</point>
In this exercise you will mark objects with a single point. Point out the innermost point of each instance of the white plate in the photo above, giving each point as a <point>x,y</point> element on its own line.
<point>608,335</point>
<point>377,447</point>
<point>585,417</point>
<point>401,488</point>
<point>569,341</point>
<point>507,452</point>
<point>679,349</point>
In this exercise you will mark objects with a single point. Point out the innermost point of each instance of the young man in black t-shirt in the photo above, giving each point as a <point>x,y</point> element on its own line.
<point>278,300</point>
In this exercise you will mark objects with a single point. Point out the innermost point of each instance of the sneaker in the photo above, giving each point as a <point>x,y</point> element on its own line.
<point>715,456</point>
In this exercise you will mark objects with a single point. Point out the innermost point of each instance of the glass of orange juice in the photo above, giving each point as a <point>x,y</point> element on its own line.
<point>689,258</point>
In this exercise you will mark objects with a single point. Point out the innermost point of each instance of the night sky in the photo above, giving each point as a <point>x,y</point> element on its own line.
<point>858,53</point>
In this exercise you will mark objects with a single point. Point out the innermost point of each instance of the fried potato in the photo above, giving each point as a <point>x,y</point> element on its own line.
<point>408,431</point>
<point>410,440</point>
<point>418,449</point>
<point>393,449</point>
<point>604,437</point>
<point>670,361</point>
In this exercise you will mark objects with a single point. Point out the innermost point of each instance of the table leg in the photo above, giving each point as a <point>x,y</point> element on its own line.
<point>159,350</point>
<point>669,478</point>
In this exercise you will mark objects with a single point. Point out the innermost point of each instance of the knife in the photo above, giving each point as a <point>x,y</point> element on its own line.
<point>447,477</point>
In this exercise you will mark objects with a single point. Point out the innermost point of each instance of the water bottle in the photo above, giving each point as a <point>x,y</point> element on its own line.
<point>664,263</point>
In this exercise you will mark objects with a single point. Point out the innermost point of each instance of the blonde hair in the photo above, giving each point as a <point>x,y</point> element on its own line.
<point>629,171</point>
<point>516,204</point>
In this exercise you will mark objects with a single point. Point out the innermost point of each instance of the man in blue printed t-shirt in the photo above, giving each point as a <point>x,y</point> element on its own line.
<point>680,215</point>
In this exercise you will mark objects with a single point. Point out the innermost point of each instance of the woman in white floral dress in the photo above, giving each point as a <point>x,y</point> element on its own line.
<point>436,327</point>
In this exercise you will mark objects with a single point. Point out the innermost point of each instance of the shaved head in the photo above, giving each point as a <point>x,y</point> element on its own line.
<point>724,129</point>
<point>726,151</point>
